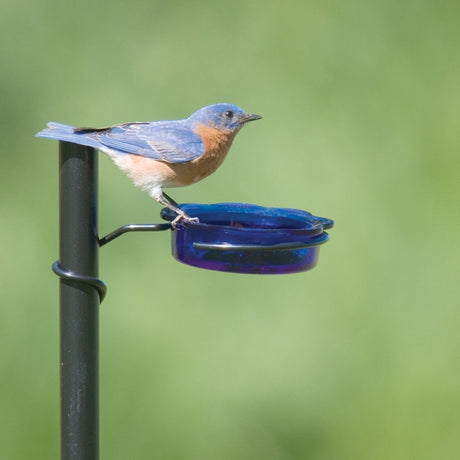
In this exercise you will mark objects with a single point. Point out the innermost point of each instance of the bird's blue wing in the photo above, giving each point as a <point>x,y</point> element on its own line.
<point>169,141</point>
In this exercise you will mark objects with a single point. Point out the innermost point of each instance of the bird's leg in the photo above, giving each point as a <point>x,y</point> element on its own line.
<point>171,200</point>
<point>167,201</point>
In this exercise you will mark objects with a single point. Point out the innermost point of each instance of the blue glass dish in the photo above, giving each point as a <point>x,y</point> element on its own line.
<point>246,238</point>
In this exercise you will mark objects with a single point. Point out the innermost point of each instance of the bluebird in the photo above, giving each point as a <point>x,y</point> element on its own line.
<point>162,154</point>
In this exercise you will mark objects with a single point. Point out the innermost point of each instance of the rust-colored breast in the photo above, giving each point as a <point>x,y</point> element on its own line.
<point>216,143</point>
<point>214,140</point>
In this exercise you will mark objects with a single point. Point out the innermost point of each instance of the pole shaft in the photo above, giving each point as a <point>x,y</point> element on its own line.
<point>79,303</point>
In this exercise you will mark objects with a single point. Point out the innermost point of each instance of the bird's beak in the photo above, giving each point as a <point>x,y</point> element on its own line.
<point>250,117</point>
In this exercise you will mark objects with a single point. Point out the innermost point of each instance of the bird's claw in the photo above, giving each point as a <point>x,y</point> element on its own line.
<point>184,217</point>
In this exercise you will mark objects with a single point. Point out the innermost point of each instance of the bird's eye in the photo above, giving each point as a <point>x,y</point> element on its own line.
<point>229,114</point>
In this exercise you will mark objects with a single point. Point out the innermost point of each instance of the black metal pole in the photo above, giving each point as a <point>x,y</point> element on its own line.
<point>80,296</point>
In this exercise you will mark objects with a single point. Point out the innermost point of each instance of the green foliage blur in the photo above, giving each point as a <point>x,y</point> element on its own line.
<point>357,359</point>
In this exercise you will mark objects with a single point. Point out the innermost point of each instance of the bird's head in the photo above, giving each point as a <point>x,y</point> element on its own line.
<point>227,117</point>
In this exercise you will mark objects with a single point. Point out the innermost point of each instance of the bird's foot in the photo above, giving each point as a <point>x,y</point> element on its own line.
<point>183,217</point>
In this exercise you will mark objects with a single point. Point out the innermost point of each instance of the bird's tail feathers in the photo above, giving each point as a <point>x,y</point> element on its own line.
<point>61,132</point>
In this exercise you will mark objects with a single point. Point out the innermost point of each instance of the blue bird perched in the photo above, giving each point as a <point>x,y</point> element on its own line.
<point>162,154</point>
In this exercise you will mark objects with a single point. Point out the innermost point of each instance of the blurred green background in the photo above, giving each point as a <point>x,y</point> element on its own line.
<point>359,358</point>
